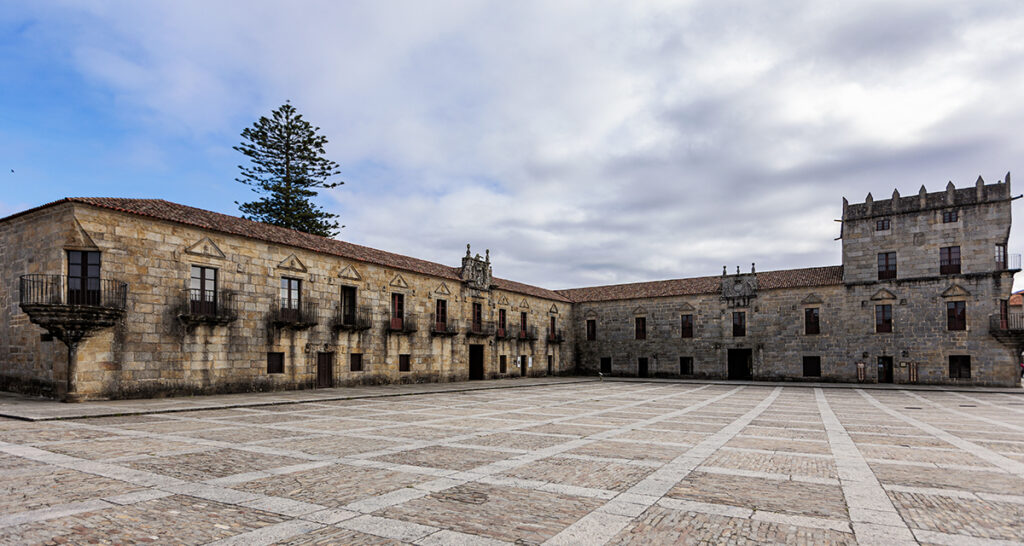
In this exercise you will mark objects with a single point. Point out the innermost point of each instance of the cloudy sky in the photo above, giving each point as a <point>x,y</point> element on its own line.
<point>582,142</point>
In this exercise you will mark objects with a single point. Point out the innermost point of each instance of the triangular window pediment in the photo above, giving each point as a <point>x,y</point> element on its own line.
<point>399,282</point>
<point>811,298</point>
<point>686,307</point>
<point>640,311</point>
<point>524,304</point>
<point>955,291</point>
<point>443,290</point>
<point>350,273</point>
<point>78,239</point>
<point>883,294</point>
<point>292,263</point>
<point>502,300</point>
<point>554,309</point>
<point>205,247</point>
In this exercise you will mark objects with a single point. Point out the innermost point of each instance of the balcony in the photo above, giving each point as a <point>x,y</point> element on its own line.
<point>352,320</point>
<point>401,325</point>
<point>479,328</point>
<point>443,326</point>
<point>1008,329</point>
<point>213,307</point>
<point>301,317</point>
<point>502,333</point>
<point>528,333</point>
<point>949,266</point>
<point>1011,262</point>
<point>555,336</point>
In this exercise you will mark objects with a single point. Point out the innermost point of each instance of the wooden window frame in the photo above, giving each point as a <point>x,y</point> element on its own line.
<point>950,216</point>
<point>478,316</point>
<point>202,290</point>
<point>349,296</point>
<point>956,316</point>
<point>883,319</point>
<point>812,321</point>
<point>949,260</point>
<point>686,326</point>
<point>882,224</point>
<point>886,266</point>
<point>441,315</point>
<point>739,323</point>
<point>524,323</point>
<point>1001,260</point>
<point>84,286</point>
<point>502,321</point>
<point>397,310</point>
<point>640,327</point>
<point>503,364</point>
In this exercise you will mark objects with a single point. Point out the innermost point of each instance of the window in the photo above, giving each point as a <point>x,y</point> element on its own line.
<point>739,324</point>
<point>883,318</point>
<point>503,364</point>
<point>355,362</point>
<point>812,366</point>
<point>83,277</point>
<point>397,311</point>
<point>1004,314</point>
<point>686,365</point>
<point>811,324</point>
<point>949,260</point>
<point>886,265</point>
<point>641,328</point>
<point>950,216</point>
<point>403,363</point>
<point>291,298</point>
<point>478,317</point>
<point>441,316</point>
<point>551,329</point>
<point>687,325</point>
<point>522,324</point>
<point>959,367</point>
<point>956,315</point>
<point>275,362</point>
<point>1001,257</point>
<point>606,364</point>
<point>502,322</point>
<point>348,305</point>
<point>591,329</point>
<point>202,293</point>
<point>882,225</point>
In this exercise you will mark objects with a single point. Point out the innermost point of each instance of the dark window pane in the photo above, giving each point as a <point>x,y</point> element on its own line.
<point>811,324</point>
<point>275,362</point>
<point>812,366</point>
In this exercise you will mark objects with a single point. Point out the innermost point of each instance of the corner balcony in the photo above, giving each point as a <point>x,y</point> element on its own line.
<point>1007,328</point>
<point>67,309</point>
<point>443,326</point>
<point>479,328</point>
<point>352,320</point>
<point>212,307</point>
<point>401,325</point>
<point>300,317</point>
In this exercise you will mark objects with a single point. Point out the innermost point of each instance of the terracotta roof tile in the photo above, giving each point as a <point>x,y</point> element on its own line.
<point>214,221</point>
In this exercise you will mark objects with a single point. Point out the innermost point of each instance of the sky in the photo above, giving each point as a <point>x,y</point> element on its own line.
<point>583,143</point>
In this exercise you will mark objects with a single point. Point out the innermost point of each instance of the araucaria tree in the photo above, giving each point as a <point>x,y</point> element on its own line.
<point>287,164</point>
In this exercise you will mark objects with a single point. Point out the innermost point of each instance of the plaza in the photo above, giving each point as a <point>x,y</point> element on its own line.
<point>562,462</point>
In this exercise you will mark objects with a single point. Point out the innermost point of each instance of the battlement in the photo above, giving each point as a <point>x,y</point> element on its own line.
<point>952,197</point>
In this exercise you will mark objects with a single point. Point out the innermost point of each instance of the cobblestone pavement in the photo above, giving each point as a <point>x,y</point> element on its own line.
<point>562,463</point>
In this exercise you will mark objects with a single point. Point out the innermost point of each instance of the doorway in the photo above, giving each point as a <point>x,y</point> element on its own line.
<point>476,361</point>
<point>523,364</point>
<point>885,369</point>
<point>641,366</point>
<point>741,364</point>
<point>324,370</point>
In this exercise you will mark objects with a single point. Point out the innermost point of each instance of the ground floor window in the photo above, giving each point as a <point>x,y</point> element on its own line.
<point>403,363</point>
<point>959,367</point>
<point>355,362</point>
<point>812,366</point>
<point>275,362</point>
<point>686,365</point>
<point>606,364</point>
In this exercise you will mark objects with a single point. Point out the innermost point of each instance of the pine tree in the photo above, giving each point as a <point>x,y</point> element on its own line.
<point>287,163</point>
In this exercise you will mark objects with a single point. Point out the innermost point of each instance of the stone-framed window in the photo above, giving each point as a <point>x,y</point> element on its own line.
<point>202,290</point>
<point>949,260</point>
<point>291,293</point>
<point>959,366</point>
<point>403,363</point>
<point>812,323</point>
<point>355,362</point>
<point>686,326</point>
<point>640,327</point>
<point>275,363</point>
<point>348,304</point>
<point>883,319</point>
<point>739,323</point>
<point>83,277</point>
<point>812,366</point>
<point>397,310</point>
<point>886,265</point>
<point>882,224</point>
<point>478,316</point>
<point>441,315</point>
<point>591,330</point>
<point>502,321</point>
<point>950,216</point>
<point>956,315</point>
<point>523,322</point>
<point>686,365</point>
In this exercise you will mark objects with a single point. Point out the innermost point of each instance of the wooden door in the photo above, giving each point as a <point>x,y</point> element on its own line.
<point>324,370</point>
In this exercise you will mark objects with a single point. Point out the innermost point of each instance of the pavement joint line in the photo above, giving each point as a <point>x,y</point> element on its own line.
<point>54,512</point>
<point>961,413</point>
<point>949,539</point>
<point>271,534</point>
<point>1001,461</point>
<point>599,527</point>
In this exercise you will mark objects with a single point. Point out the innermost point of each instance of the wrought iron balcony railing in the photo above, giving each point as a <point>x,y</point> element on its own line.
<point>207,306</point>
<point>555,336</point>
<point>479,328</point>
<point>401,325</point>
<point>1006,323</point>
<point>527,334</point>
<point>443,326</point>
<point>503,333</point>
<point>1011,262</point>
<point>72,291</point>
<point>298,317</point>
<point>357,319</point>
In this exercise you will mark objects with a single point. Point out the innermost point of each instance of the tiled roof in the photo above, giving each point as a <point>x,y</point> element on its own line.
<point>214,221</point>
<point>767,280</point>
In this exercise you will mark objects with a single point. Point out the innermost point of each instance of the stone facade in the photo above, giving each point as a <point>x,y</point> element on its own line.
<point>758,325</point>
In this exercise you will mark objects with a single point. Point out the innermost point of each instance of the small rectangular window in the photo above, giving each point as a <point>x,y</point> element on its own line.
<point>606,364</point>
<point>883,318</point>
<point>739,324</point>
<point>1001,257</point>
<point>959,367</point>
<point>403,363</point>
<point>949,260</point>
<point>686,325</point>
<point>812,326</point>
<point>591,330</point>
<point>641,328</point>
<point>950,216</point>
<point>812,366</point>
<point>502,321</point>
<point>956,315</point>
<point>686,365</point>
<point>882,224</point>
<point>503,363</point>
<point>522,323</point>
<point>355,362</point>
<point>275,362</point>
<point>886,265</point>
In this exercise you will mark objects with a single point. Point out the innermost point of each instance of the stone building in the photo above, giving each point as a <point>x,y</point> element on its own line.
<point>134,297</point>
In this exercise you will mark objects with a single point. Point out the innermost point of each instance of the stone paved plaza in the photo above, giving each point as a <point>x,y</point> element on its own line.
<point>575,463</point>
